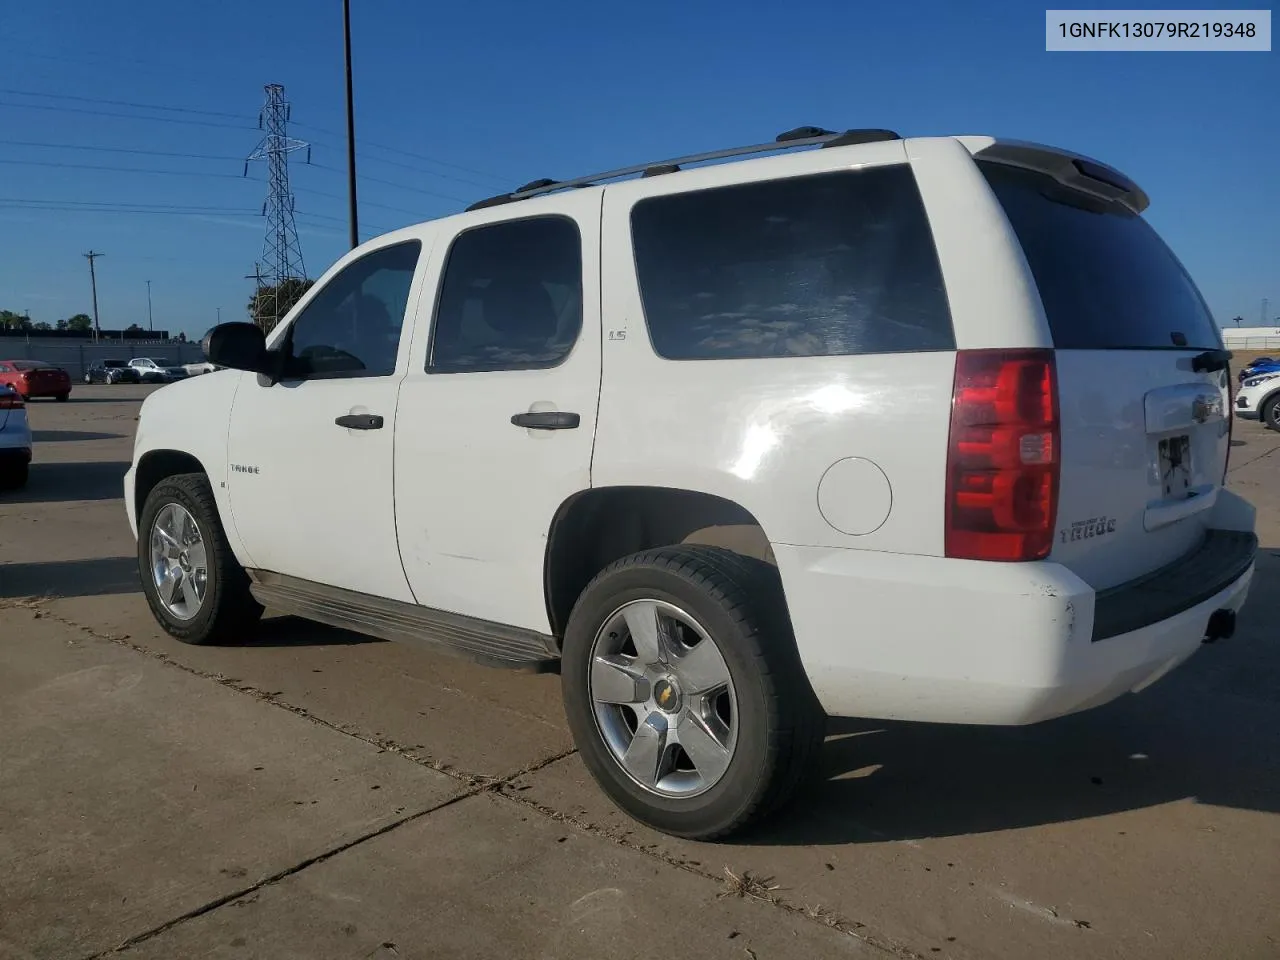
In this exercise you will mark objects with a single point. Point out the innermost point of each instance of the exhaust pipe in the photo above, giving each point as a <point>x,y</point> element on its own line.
<point>1222,626</point>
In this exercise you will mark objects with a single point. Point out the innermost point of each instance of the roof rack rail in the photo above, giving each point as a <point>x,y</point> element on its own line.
<point>789,140</point>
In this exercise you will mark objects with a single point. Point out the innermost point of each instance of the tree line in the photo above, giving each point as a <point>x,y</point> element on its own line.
<point>81,322</point>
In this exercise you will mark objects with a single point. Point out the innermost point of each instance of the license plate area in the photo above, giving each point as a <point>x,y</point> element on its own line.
<point>1175,467</point>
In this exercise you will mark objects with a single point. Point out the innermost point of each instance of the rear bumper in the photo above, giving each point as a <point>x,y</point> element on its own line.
<point>890,636</point>
<point>16,454</point>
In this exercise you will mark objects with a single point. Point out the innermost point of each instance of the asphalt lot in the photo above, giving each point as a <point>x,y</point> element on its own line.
<point>312,794</point>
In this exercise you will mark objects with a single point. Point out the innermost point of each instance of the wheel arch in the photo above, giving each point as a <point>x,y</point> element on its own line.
<point>594,527</point>
<point>155,465</point>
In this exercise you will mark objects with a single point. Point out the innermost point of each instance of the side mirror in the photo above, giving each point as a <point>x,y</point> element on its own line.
<point>238,345</point>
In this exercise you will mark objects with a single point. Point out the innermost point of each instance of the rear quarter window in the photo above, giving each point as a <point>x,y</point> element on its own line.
<point>832,264</point>
<point>1106,279</point>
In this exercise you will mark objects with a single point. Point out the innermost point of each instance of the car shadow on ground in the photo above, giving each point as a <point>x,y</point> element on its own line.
<point>69,578</point>
<point>1208,733</point>
<point>290,631</point>
<point>62,482</point>
<point>67,436</point>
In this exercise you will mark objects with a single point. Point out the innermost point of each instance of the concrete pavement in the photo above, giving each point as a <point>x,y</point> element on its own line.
<point>127,787</point>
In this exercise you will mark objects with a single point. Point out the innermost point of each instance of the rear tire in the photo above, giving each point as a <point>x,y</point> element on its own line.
<point>14,477</point>
<point>772,730</point>
<point>226,610</point>
<point>62,397</point>
<point>1271,412</point>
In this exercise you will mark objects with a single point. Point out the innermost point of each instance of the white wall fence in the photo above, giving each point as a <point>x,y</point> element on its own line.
<point>1251,338</point>
<point>75,357</point>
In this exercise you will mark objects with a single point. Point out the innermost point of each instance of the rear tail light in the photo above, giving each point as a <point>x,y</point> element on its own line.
<point>1003,459</point>
<point>1231,423</point>
<point>10,400</point>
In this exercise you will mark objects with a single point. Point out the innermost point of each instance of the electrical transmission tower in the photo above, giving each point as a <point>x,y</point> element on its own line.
<point>281,253</point>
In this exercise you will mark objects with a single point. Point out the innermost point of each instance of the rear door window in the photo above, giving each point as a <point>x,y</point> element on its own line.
<point>823,265</point>
<point>1106,279</point>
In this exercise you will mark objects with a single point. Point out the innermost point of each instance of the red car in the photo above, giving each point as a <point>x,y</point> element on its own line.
<point>33,378</point>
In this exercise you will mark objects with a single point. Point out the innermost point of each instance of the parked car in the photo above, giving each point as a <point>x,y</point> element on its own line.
<point>1259,366</point>
<point>34,378</point>
<point>845,431</point>
<point>195,369</point>
<point>15,438</point>
<point>111,371</point>
<point>149,371</point>
<point>1259,398</point>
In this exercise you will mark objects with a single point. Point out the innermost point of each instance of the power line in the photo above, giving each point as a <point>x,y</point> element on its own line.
<point>392,183</point>
<point>127,116</point>
<point>124,103</point>
<point>408,153</point>
<point>366,203</point>
<point>115,210</point>
<point>94,166</point>
<point>148,153</point>
<point>109,204</point>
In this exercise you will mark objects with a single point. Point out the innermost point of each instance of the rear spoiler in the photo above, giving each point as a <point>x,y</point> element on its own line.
<point>1070,169</point>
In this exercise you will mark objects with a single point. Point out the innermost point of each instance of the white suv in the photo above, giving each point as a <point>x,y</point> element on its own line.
<point>927,429</point>
<point>1259,399</point>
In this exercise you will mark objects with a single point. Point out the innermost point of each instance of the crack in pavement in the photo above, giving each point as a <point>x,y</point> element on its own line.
<point>283,874</point>
<point>475,784</point>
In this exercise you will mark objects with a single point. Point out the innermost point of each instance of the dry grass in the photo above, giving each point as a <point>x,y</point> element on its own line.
<point>748,885</point>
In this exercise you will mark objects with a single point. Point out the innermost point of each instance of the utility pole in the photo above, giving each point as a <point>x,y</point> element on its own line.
<point>1265,301</point>
<point>93,281</point>
<point>150,323</point>
<point>351,128</point>
<point>219,314</point>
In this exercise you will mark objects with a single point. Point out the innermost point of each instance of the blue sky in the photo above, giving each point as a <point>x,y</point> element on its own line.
<point>455,102</point>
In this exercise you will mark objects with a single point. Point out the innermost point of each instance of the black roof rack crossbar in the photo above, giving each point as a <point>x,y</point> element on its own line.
<point>791,140</point>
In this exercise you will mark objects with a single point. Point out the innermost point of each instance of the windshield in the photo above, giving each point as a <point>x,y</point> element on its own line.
<point>1106,279</point>
<point>31,365</point>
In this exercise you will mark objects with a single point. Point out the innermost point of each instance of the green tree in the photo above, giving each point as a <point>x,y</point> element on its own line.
<point>12,321</point>
<point>133,327</point>
<point>42,325</point>
<point>60,325</point>
<point>270,303</point>
<point>81,323</point>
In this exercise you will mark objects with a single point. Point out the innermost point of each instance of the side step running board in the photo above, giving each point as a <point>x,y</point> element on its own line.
<point>493,644</point>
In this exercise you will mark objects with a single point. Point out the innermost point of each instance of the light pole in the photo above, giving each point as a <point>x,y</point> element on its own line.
<point>150,323</point>
<point>351,128</point>
<point>219,314</point>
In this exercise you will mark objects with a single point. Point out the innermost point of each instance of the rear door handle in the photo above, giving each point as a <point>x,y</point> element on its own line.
<point>360,421</point>
<point>547,420</point>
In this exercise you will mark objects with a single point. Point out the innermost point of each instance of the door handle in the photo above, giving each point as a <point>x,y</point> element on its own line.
<point>360,421</point>
<point>547,420</point>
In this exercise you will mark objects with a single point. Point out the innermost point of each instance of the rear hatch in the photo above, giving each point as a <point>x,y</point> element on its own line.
<point>1142,379</point>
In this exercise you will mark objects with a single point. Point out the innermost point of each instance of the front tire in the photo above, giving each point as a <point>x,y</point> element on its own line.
<point>196,590</point>
<point>62,397</point>
<point>1271,412</point>
<point>685,693</point>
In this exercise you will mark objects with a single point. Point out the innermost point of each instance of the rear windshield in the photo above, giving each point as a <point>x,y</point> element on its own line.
<point>31,365</point>
<point>1106,279</point>
<point>113,363</point>
<point>823,265</point>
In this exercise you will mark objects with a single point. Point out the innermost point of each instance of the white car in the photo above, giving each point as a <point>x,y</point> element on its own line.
<point>1259,399</point>
<point>152,372</point>
<point>15,439</point>
<point>872,427</point>
<point>195,369</point>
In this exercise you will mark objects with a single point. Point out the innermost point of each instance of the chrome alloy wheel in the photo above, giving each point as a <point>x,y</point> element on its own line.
<point>663,699</point>
<point>179,566</point>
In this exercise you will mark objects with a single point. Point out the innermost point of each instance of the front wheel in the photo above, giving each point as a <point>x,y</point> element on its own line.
<point>193,584</point>
<point>1271,412</point>
<point>685,693</point>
